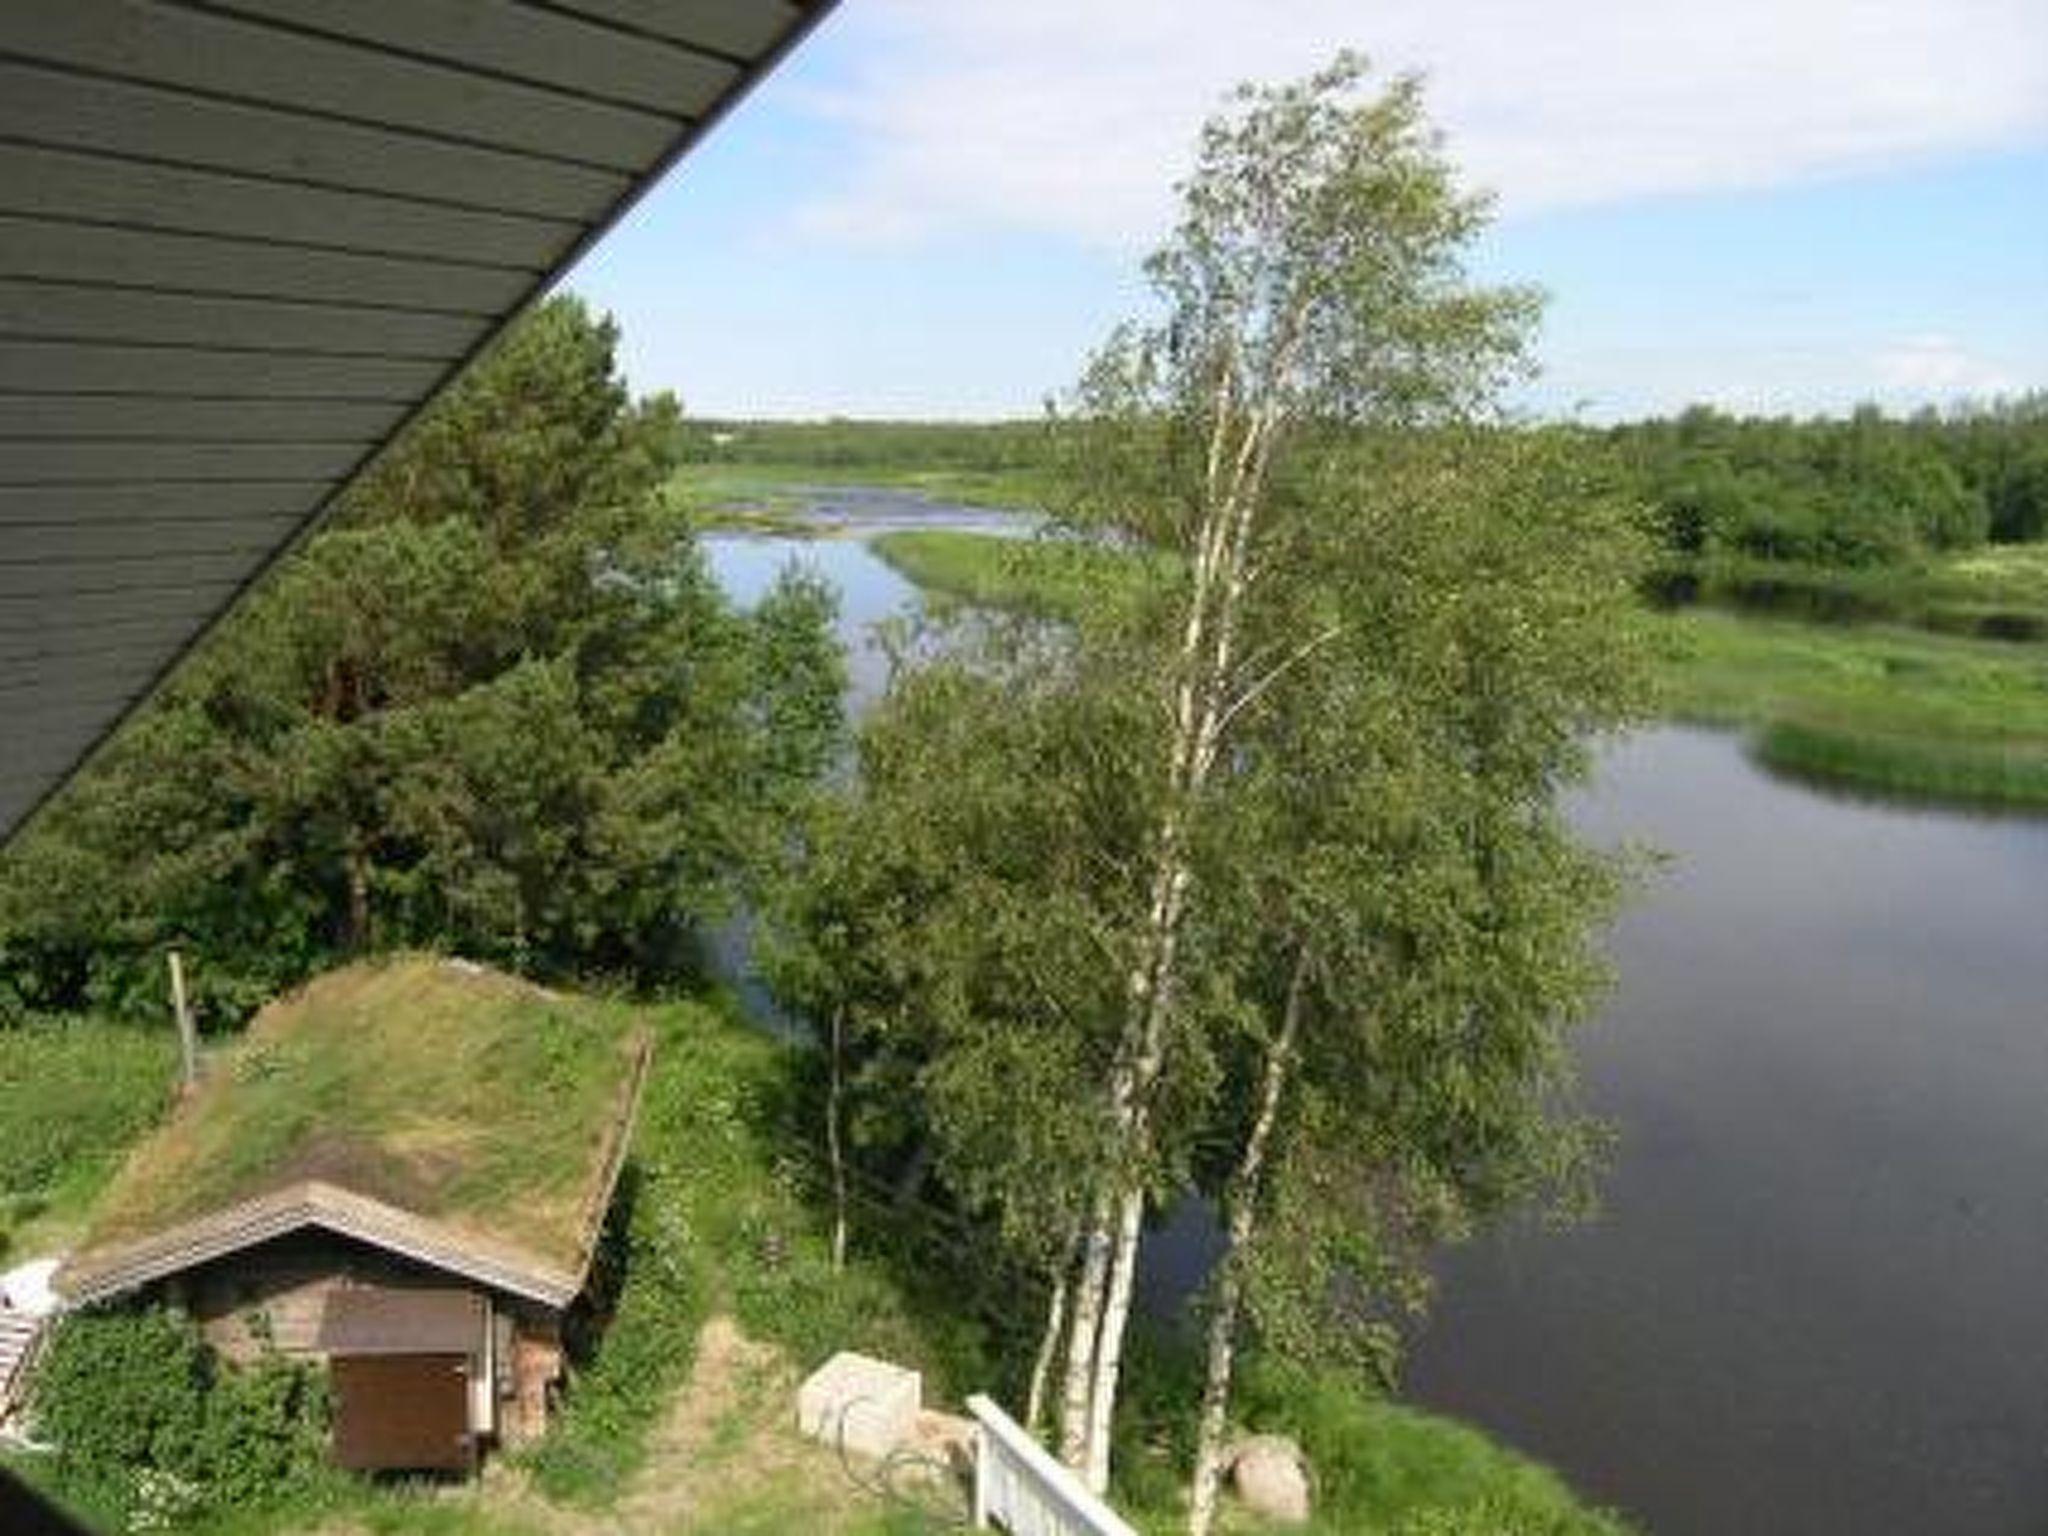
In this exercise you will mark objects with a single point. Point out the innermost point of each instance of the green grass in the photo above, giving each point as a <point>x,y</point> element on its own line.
<point>723,1218</point>
<point>1384,1467</point>
<point>1052,577</point>
<point>74,1094</point>
<point>1892,711</point>
<point>1378,1466</point>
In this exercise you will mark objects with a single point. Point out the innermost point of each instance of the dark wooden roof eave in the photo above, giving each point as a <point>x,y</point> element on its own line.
<point>352,175</point>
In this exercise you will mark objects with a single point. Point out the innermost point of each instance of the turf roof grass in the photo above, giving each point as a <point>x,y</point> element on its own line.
<point>455,1093</point>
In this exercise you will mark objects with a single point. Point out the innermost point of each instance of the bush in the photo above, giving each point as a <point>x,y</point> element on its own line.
<point>150,1427</point>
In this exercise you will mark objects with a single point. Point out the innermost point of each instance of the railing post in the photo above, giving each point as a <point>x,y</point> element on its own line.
<point>1019,1487</point>
<point>984,1455</point>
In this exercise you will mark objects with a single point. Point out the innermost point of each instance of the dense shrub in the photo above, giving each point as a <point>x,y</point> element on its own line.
<point>150,1426</point>
<point>1870,491</point>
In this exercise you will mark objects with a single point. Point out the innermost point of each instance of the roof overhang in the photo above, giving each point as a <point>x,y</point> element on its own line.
<point>242,244</point>
<point>114,1271</point>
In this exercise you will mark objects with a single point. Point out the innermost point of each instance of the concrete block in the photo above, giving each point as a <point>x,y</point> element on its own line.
<point>869,1406</point>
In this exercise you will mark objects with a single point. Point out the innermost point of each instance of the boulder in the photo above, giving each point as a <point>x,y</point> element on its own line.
<point>1270,1475</point>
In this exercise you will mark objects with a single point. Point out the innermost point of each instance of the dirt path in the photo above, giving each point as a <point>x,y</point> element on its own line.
<point>727,1459</point>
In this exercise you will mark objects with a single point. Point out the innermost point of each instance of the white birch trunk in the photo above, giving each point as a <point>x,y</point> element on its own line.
<point>1048,1351</point>
<point>836,1151</point>
<point>1244,1200</point>
<point>1083,1330</point>
<point>1235,481</point>
<point>1208,653</point>
<point>1110,1349</point>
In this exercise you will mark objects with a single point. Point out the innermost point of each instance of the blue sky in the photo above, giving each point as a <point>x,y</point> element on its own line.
<point>938,206</point>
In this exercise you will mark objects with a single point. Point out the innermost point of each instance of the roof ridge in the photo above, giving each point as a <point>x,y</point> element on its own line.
<point>95,1275</point>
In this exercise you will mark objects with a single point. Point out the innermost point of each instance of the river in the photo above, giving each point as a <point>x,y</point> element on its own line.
<point>1816,1299</point>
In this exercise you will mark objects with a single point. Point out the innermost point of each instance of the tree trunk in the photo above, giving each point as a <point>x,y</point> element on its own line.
<point>356,865</point>
<point>1245,1190</point>
<point>1109,1350</point>
<point>832,1146</point>
<point>1048,1349</point>
<point>1201,710</point>
<point>1083,1332</point>
<point>1200,723</point>
<point>1207,654</point>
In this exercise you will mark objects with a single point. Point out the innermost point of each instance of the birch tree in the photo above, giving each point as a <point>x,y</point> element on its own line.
<point>1313,288</point>
<point>1262,846</point>
<point>1415,922</point>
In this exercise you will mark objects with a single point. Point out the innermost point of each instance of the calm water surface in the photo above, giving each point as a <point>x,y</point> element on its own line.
<point>1817,1299</point>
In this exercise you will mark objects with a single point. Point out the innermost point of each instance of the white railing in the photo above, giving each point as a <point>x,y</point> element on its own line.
<point>1020,1488</point>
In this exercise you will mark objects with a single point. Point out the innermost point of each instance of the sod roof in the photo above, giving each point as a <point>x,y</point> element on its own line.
<point>431,1106</point>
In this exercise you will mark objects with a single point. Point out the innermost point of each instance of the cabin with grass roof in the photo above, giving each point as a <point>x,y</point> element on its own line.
<point>401,1171</point>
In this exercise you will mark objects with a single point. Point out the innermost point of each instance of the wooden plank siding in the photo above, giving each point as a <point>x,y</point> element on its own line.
<point>241,243</point>
<point>139,121</point>
<point>52,418</point>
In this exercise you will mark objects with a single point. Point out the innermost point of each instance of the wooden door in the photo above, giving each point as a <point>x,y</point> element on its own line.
<point>402,1412</point>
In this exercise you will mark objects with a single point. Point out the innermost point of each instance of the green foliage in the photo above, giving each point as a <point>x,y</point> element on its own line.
<point>152,1428</point>
<point>1321,734</point>
<point>499,707</point>
<point>1868,491</point>
<point>73,1094</point>
<point>1884,709</point>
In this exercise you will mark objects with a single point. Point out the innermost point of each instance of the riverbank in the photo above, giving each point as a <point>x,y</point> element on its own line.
<point>1885,709</point>
<point>1996,592</point>
<point>728,1241</point>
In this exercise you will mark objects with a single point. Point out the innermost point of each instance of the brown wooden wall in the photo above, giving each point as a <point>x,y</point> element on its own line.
<point>277,1294</point>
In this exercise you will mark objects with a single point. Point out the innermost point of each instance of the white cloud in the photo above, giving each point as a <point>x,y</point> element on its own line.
<point>1930,366</point>
<point>1073,116</point>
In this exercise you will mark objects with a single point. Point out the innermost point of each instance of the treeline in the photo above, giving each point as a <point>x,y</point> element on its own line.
<point>840,444</point>
<point>498,706</point>
<point>1868,490</point>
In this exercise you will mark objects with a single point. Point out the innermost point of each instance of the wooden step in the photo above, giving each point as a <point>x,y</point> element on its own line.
<point>18,1335</point>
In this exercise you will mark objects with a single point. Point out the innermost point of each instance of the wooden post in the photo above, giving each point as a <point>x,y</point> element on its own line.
<point>188,1039</point>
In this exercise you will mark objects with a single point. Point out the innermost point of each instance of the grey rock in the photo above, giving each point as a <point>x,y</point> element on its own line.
<point>1270,1474</point>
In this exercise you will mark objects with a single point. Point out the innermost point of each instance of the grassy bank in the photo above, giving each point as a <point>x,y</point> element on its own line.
<point>1044,576</point>
<point>717,1276</point>
<point>73,1095</point>
<point>1996,592</point>
<point>1882,708</point>
<point>1889,710</point>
